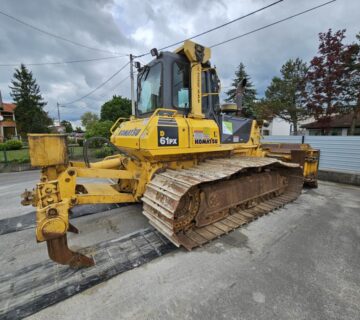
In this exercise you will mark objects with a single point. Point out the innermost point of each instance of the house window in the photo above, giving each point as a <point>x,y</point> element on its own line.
<point>335,132</point>
<point>314,132</point>
<point>356,132</point>
<point>266,132</point>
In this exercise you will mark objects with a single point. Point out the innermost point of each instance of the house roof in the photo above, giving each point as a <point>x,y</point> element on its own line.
<point>9,107</point>
<point>339,121</point>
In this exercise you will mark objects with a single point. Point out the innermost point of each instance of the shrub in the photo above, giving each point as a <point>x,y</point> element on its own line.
<point>80,142</point>
<point>2,146</point>
<point>103,152</point>
<point>13,145</point>
<point>24,159</point>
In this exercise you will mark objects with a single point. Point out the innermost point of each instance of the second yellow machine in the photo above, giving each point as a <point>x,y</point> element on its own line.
<point>197,167</point>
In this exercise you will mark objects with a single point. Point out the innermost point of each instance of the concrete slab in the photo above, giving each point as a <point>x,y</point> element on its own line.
<point>301,262</point>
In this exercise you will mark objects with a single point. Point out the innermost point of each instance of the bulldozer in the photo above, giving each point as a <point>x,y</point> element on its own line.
<point>197,166</point>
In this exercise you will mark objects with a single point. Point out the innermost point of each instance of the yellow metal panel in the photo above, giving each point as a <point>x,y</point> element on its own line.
<point>99,188</point>
<point>128,133</point>
<point>196,94</point>
<point>47,149</point>
<point>117,198</point>
<point>203,133</point>
<point>104,173</point>
<point>150,138</point>
<point>189,48</point>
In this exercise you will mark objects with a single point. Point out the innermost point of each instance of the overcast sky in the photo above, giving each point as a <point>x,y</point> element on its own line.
<point>124,26</point>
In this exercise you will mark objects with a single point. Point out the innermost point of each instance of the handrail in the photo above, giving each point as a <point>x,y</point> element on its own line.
<point>172,111</point>
<point>116,124</point>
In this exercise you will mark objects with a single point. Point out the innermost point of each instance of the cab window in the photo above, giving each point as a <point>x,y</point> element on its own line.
<point>181,85</point>
<point>149,89</point>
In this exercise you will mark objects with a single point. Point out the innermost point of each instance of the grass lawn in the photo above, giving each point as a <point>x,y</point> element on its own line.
<point>21,155</point>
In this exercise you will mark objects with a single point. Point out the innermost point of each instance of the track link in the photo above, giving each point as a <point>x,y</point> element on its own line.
<point>194,206</point>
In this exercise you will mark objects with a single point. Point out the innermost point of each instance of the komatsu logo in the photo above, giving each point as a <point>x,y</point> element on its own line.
<point>206,141</point>
<point>130,132</point>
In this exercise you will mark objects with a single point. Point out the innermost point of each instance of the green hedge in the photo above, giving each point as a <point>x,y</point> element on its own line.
<point>11,145</point>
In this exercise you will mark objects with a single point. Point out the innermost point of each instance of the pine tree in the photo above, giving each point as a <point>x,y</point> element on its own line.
<point>326,90</point>
<point>249,93</point>
<point>284,94</point>
<point>29,112</point>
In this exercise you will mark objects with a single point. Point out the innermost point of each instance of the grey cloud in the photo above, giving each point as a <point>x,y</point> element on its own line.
<point>110,24</point>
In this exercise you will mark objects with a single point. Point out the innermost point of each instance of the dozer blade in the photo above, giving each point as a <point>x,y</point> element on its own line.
<point>59,252</point>
<point>194,206</point>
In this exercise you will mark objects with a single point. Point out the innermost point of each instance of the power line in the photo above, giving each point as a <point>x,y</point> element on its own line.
<point>216,28</point>
<point>119,83</point>
<point>51,34</point>
<point>271,24</point>
<point>112,88</point>
<point>99,86</point>
<point>61,62</point>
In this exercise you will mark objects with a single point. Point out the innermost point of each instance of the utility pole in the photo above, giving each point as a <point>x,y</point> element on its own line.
<point>132,85</point>
<point>58,110</point>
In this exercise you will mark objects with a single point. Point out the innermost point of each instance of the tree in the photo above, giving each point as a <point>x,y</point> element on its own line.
<point>79,130</point>
<point>325,93</point>
<point>352,63</point>
<point>262,110</point>
<point>67,125</point>
<point>115,108</point>
<point>249,93</point>
<point>88,118</point>
<point>29,112</point>
<point>284,94</point>
<point>99,129</point>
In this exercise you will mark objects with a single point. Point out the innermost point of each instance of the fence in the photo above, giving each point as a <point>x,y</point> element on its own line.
<point>339,153</point>
<point>75,153</point>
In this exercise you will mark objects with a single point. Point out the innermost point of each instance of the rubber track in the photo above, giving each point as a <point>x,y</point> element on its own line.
<point>27,290</point>
<point>164,192</point>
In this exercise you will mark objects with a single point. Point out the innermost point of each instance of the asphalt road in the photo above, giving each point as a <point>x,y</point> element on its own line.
<point>12,185</point>
<point>301,262</point>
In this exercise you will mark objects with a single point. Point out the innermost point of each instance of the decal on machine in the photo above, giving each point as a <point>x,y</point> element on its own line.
<point>227,127</point>
<point>129,132</point>
<point>168,136</point>
<point>202,136</point>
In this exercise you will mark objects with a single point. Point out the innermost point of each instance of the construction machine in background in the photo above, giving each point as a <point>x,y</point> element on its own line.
<point>198,167</point>
<point>301,153</point>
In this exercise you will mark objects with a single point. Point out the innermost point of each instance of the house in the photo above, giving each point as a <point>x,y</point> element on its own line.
<point>7,121</point>
<point>338,125</point>
<point>280,127</point>
<point>57,128</point>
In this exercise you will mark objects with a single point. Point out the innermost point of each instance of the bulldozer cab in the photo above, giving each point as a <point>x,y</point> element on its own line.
<point>185,81</point>
<point>166,83</point>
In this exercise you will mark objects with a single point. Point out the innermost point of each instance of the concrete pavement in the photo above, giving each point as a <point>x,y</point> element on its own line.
<point>302,262</point>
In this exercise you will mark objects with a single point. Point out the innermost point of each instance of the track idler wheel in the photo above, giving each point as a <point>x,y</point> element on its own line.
<point>59,252</point>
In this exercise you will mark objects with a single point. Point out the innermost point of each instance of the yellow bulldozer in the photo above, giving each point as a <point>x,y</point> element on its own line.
<point>197,166</point>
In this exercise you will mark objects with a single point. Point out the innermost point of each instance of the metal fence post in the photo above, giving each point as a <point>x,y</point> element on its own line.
<point>5,155</point>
